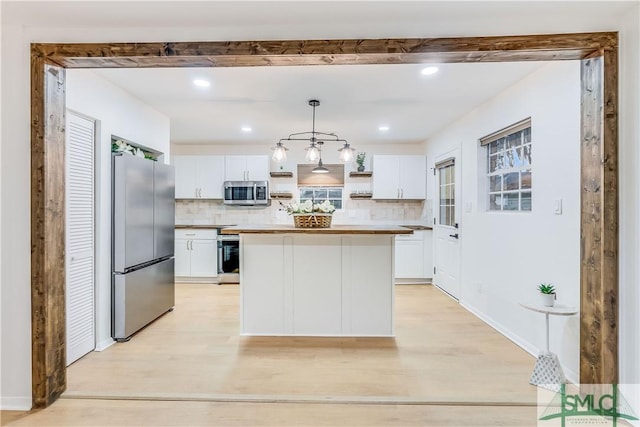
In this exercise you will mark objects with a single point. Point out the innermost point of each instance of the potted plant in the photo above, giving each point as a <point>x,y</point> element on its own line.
<point>547,294</point>
<point>360,161</point>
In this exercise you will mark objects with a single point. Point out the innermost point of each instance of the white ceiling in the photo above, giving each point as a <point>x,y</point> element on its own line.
<point>273,101</point>
<point>354,100</point>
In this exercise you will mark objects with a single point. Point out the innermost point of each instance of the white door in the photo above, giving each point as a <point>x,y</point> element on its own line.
<point>413,177</point>
<point>186,182</point>
<point>409,256</point>
<point>235,168</point>
<point>80,260</point>
<point>182,254</point>
<point>258,168</point>
<point>210,176</point>
<point>447,226</point>
<point>386,177</point>
<point>204,258</point>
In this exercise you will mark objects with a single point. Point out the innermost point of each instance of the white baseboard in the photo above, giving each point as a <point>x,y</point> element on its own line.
<point>15,403</point>
<point>526,346</point>
<point>423,281</point>
<point>104,344</point>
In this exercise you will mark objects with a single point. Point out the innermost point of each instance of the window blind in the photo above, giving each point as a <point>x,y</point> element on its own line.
<point>446,162</point>
<point>521,125</point>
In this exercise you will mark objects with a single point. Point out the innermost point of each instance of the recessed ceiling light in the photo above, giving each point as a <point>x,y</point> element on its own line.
<point>383,128</point>
<point>201,83</point>
<point>245,129</point>
<point>427,71</point>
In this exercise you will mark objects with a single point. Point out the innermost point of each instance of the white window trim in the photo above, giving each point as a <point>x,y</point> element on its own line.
<point>485,143</point>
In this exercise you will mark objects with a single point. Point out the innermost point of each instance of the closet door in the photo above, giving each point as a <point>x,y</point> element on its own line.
<point>80,259</point>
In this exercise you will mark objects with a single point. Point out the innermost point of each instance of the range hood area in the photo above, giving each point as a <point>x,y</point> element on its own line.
<point>334,178</point>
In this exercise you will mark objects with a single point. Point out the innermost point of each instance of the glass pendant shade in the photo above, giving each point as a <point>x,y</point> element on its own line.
<point>316,140</point>
<point>312,153</point>
<point>279,153</point>
<point>346,153</point>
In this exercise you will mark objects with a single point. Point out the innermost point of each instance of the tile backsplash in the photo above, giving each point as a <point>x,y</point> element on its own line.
<point>204,212</point>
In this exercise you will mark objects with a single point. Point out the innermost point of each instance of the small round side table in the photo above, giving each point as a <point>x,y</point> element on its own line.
<point>548,372</point>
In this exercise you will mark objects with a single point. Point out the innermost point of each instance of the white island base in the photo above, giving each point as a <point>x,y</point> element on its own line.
<point>317,283</point>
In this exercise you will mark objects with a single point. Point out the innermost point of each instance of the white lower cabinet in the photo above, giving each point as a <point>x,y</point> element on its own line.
<point>196,253</point>
<point>414,255</point>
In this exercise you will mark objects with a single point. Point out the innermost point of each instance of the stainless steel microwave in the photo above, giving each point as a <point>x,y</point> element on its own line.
<point>247,193</point>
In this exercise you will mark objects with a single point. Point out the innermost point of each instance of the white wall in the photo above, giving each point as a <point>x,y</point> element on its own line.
<point>15,371</point>
<point>15,172</point>
<point>504,256</point>
<point>117,113</point>
<point>629,179</point>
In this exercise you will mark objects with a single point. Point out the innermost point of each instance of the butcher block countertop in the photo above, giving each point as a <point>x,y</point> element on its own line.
<point>334,229</point>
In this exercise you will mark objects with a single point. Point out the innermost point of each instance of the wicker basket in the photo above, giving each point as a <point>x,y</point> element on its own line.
<point>317,220</point>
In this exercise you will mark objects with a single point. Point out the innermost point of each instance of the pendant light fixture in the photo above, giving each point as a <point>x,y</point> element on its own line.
<point>316,141</point>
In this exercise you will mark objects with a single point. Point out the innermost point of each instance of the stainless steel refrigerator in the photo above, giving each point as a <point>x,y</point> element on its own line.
<point>142,243</point>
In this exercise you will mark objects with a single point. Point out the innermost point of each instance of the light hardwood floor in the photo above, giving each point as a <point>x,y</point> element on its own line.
<point>445,367</point>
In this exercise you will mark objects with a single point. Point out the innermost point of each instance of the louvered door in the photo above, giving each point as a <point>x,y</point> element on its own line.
<point>80,262</point>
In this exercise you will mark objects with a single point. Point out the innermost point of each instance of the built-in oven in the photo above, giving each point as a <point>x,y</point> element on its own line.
<point>246,193</point>
<point>228,258</point>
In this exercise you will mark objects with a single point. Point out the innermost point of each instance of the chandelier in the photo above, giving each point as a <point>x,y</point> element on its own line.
<point>316,141</point>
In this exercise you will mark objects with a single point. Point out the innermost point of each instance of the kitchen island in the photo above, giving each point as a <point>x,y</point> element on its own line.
<point>335,281</point>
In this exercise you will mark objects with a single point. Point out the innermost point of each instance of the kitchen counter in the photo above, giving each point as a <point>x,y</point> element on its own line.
<point>336,281</point>
<point>335,229</point>
<point>417,227</point>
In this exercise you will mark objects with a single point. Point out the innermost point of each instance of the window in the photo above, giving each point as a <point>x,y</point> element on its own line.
<point>320,194</point>
<point>447,192</point>
<point>509,168</point>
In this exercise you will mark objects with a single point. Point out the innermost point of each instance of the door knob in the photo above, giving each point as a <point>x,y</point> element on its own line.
<point>455,236</point>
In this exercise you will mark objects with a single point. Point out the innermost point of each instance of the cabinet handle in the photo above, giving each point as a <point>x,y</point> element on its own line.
<point>196,192</point>
<point>187,245</point>
<point>402,193</point>
<point>189,234</point>
<point>191,244</point>
<point>455,236</point>
<point>200,192</point>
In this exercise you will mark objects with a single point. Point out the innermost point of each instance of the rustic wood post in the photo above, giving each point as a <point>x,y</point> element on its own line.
<point>48,351</point>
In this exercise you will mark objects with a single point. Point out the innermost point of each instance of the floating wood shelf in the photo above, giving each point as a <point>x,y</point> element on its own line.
<point>281,174</point>
<point>365,174</point>
<point>282,195</point>
<point>361,195</point>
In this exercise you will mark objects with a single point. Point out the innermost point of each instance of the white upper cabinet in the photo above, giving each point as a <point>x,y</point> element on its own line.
<point>399,177</point>
<point>413,177</point>
<point>210,176</point>
<point>386,177</point>
<point>199,177</point>
<point>186,187</point>
<point>246,168</point>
